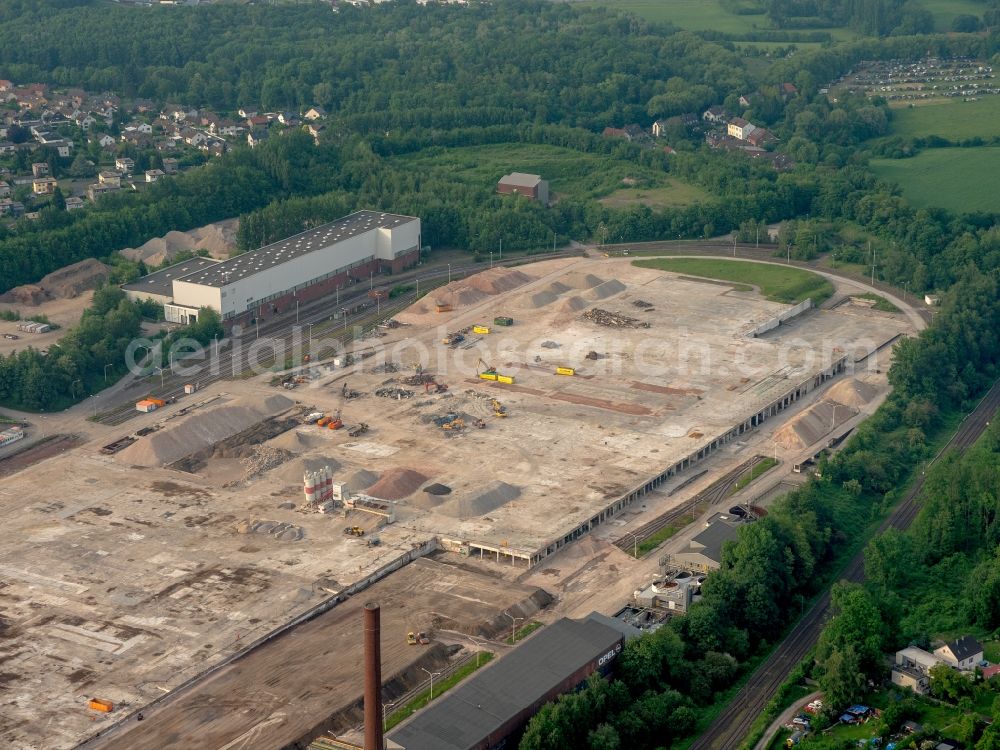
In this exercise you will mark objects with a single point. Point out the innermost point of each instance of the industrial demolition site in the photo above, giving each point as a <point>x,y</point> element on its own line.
<point>440,466</point>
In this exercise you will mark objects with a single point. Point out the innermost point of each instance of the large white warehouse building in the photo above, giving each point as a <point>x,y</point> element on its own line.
<point>266,282</point>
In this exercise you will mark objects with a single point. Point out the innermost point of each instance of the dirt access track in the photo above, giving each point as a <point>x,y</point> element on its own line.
<point>279,693</point>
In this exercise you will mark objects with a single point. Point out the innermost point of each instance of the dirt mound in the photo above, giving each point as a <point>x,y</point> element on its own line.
<point>396,484</point>
<point>29,294</point>
<point>437,489</point>
<point>360,480</point>
<point>292,471</point>
<point>579,280</point>
<point>606,289</point>
<point>218,239</point>
<point>574,304</point>
<point>201,430</point>
<point>812,425</point>
<point>294,441</point>
<point>498,280</point>
<point>423,501</point>
<point>64,283</point>
<point>488,498</point>
<point>851,392</point>
<point>542,298</point>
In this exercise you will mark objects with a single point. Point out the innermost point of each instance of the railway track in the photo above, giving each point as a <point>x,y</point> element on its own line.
<point>716,492</point>
<point>732,725</point>
<point>362,312</point>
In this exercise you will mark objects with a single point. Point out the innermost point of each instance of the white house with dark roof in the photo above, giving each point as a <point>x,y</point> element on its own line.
<point>963,653</point>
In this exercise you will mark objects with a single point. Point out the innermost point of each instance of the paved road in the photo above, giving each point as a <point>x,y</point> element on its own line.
<point>732,725</point>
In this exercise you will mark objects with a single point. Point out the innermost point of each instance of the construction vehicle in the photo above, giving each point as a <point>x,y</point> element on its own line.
<point>565,371</point>
<point>434,386</point>
<point>499,410</point>
<point>413,639</point>
<point>488,372</point>
<point>480,329</point>
<point>354,531</point>
<point>503,320</point>
<point>480,423</point>
<point>361,429</point>
<point>323,421</point>
<point>452,339</point>
<point>455,424</point>
<point>312,417</point>
<point>335,424</point>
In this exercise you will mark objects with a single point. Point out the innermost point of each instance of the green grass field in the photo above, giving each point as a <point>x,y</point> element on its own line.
<point>570,173</point>
<point>776,283</point>
<point>673,193</point>
<point>952,119</point>
<point>944,11</point>
<point>958,179</point>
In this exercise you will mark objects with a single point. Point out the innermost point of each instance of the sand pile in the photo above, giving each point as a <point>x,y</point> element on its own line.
<point>478,503</point>
<point>396,484</point>
<point>437,489</point>
<point>542,298</point>
<point>812,425</point>
<point>63,283</point>
<point>498,280</point>
<point>423,501</point>
<point>218,239</point>
<point>579,280</point>
<point>201,430</point>
<point>359,480</point>
<point>292,471</point>
<point>476,288</point>
<point>295,441</point>
<point>852,392</point>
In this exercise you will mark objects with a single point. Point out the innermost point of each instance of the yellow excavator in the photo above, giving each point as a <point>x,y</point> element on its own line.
<point>499,410</point>
<point>488,372</point>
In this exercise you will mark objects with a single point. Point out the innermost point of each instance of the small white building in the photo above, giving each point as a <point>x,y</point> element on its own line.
<point>740,128</point>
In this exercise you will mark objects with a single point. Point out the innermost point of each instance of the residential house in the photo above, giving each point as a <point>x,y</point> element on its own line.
<point>144,127</point>
<point>216,147</point>
<point>10,207</point>
<point>659,128</point>
<point>257,122</point>
<point>288,119</point>
<point>209,120</point>
<point>39,169</point>
<point>963,653</point>
<point>760,137</point>
<point>256,137</point>
<point>98,189</point>
<point>231,129</point>
<point>74,203</point>
<point>44,185</point>
<point>170,165</point>
<point>152,175</point>
<point>529,185</point>
<point>136,138</point>
<point>912,669</point>
<point>105,140</point>
<point>788,90</point>
<point>246,112</point>
<point>4,189</point>
<point>85,121</point>
<point>6,85</point>
<point>110,179</point>
<point>194,137</point>
<point>740,128</point>
<point>744,101</point>
<point>124,165</point>
<point>715,114</point>
<point>932,300</point>
<point>314,113</point>
<point>6,147</point>
<point>610,132</point>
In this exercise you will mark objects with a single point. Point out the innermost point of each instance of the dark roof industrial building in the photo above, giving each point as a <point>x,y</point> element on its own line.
<point>496,703</point>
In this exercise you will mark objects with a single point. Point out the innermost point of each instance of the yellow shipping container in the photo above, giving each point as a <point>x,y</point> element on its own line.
<point>508,379</point>
<point>488,375</point>
<point>480,329</point>
<point>565,371</point>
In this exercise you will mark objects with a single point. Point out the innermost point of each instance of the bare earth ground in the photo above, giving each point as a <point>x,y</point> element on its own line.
<point>123,582</point>
<point>63,312</point>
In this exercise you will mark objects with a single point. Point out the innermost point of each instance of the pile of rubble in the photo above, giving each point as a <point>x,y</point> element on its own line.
<point>549,345</point>
<point>263,458</point>
<point>384,368</point>
<point>419,379</point>
<point>613,319</point>
<point>642,304</point>
<point>393,392</point>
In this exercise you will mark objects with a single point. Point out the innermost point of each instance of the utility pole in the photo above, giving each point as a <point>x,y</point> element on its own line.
<point>501,248</point>
<point>873,267</point>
